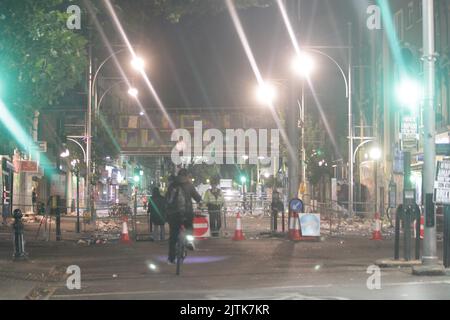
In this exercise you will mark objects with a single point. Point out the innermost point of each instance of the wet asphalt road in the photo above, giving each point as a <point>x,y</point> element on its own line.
<point>335,268</point>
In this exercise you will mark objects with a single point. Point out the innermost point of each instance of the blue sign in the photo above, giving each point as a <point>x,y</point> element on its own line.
<point>296,205</point>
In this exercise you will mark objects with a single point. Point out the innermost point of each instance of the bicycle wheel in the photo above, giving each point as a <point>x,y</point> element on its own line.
<point>180,253</point>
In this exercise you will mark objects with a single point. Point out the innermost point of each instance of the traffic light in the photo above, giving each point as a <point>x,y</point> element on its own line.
<point>137,175</point>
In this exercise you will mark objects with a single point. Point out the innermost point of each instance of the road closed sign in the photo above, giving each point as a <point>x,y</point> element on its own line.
<point>442,183</point>
<point>201,227</point>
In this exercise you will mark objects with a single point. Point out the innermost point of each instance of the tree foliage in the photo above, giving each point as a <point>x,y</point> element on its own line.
<point>40,58</point>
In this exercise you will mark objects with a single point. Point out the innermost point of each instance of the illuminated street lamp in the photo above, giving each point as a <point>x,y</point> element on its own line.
<point>133,92</point>
<point>138,63</point>
<point>266,93</point>
<point>409,93</point>
<point>65,154</point>
<point>375,153</point>
<point>303,64</point>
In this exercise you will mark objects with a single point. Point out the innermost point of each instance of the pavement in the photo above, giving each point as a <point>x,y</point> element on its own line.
<point>261,267</point>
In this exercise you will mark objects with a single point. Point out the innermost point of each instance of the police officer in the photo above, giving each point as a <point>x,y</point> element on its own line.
<point>214,201</point>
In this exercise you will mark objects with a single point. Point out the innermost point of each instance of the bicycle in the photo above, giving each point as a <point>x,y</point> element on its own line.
<point>181,251</point>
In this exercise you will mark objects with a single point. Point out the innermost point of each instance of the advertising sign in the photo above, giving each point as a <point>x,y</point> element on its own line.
<point>442,183</point>
<point>28,166</point>
<point>409,134</point>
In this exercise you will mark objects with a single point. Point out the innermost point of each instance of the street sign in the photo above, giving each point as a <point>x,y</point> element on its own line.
<point>392,195</point>
<point>40,146</point>
<point>296,205</point>
<point>398,161</point>
<point>28,166</point>
<point>409,134</point>
<point>201,226</point>
<point>443,149</point>
<point>442,183</point>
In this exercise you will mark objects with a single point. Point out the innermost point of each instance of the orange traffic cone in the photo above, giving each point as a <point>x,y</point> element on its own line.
<point>295,234</point>
<point>376,235</point>
<point>124,237</point>
<point>422,227</point>
<point>238,234</point>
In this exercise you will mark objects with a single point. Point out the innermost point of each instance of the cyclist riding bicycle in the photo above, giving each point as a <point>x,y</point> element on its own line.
<point>180,210</point>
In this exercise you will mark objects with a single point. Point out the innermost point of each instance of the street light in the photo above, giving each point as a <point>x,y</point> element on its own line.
<point>409,93</point>
<point>266,93</point>
<point>138,63</point>
<point>303,64</point>
<point>76,169</point>
<point>375,153</point>
<point>133,92</point>
<point>65,153</point>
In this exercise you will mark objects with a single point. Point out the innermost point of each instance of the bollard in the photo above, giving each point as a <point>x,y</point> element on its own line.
<point>274,222</point>
<point>225,219</point>
<point>447,237</point>
<point>57,211</point>
<point>418,225</point>
<point>398,216</point>
<point>18,240</point>
<point>407,233</point>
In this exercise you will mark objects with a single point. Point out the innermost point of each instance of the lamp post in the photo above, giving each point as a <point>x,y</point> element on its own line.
<point>375,156</point>
<point>304,66</point>
<point>429,66</point>
<point>266,94</point>
<point>76,169</point>
<point>138,64</point>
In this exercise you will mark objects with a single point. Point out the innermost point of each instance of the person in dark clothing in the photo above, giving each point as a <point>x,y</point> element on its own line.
<point>276,207</point>
<point>178,214</point>
<point>157,210</point>
<point>34,199</point>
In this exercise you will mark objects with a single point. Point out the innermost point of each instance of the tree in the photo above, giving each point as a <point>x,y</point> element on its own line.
<point>40,58</point>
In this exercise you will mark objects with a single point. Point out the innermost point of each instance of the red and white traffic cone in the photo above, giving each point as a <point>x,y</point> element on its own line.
<point>291,225</point>
<point>422,227</point>
<point>238,234</point>
<point>295,235</point>
<point>124,237</point>
<point>376,235</point>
